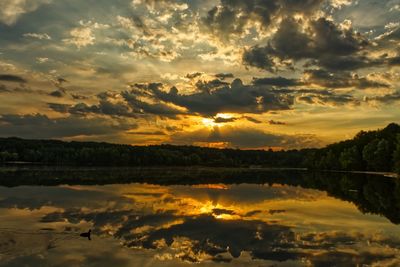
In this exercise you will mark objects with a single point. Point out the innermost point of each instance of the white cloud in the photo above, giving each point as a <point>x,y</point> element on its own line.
<point>125,22</point>
<point>40,36</point>
<point>11,10</point>
<point>41,60</point>
<point>84,35</point>
<point>340,3</point>
<point>81,37</point>
<point>395,8</point>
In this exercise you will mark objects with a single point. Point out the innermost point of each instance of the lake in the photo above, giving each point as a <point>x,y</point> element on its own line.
<point>202,217</point>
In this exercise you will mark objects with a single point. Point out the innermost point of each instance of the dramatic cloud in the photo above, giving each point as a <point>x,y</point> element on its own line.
<point>11,78</point>
<point>276,81</point>
<point>40,36</point>
<point>81,37</point>
<point>235,97</point>
<point>233,17</point>
<point>103,108</point>
<point>223,76</point>
<point>210,86</point>
<point>323,41</point>
<point>185,65</point>
<point>340,80</point>
<point>57,93</point>
<point>11,10</point>
<point>193,75</point>
<point>41,126</point>
<point>326,98</point>
<point>385,99</point>
<point>272,122</point>
<point>244,138</point>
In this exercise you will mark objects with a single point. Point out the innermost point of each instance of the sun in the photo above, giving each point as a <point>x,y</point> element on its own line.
<point>208,122</point>
<point>211,122</point>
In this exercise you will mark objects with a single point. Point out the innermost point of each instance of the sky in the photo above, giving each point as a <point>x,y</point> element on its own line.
<point>250,74</point>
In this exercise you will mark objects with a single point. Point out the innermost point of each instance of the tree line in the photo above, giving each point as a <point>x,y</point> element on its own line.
<point>368,151</point>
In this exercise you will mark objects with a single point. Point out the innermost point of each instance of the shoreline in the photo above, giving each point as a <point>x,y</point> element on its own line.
<point>29,166</point>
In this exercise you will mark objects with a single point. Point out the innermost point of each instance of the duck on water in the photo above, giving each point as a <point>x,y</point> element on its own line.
<point>87,234</point>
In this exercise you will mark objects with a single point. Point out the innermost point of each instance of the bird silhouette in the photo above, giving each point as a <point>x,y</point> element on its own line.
<point>86,234</point>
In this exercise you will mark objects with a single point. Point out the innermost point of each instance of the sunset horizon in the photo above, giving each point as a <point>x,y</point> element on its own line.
<point>216,73</point>
<point>209,133</point>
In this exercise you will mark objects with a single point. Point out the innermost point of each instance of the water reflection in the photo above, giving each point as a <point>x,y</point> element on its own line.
<point>274,218</point>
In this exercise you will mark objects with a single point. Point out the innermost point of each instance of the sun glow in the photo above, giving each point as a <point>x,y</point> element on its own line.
<point>224,116</point>
<point>220,118</point>
<point>209,122</point>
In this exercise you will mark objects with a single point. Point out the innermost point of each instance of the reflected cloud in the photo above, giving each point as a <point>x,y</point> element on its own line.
<point>208,224</point>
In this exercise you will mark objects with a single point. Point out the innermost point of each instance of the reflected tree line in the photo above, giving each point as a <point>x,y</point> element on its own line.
<point>370,193</point>
<point>367,151</point>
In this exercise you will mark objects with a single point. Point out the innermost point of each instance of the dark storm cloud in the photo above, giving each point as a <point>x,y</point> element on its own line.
<point>41,126</point>
<point>385,99</point>
<point>231,16</point>
<point>224,21</point>
<point>350,62</point>
<point>259,57</point>
<point>273,122</point>
<point>61,108</point>
<point>58,93</point>
<point>193,75</point>
<point>61,80</point>
<point>148,133</point>
<point>251,119</point>
<point>223,76</point>
<point>323,43</point>
<point>12,78</point>
<point>78,97</point>
<point>394,61</point>
<point>276,81</point>
<point>217,96</point>
<point>224,120</point>
<point>340,80</point>
<point>326,98</point>
<point>128,106</point>
<point>332,40</point>
<point>142,107</point>
<point>23,89</point>
<point>235,97</point>
<point>208,86</point>
<point>104,107</point>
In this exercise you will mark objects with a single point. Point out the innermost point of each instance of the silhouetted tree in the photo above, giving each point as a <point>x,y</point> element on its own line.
<point>372,150</point>
<point>396,156</point>
<point>350,159</point>
<point>377,155</point>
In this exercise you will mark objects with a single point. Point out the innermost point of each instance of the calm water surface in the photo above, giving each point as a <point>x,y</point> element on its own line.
<point>271,221</point>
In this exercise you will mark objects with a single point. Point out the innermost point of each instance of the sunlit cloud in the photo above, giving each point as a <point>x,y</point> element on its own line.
<point>184,64</point>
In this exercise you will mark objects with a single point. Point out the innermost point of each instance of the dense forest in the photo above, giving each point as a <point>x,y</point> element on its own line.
<point>368,151</point>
